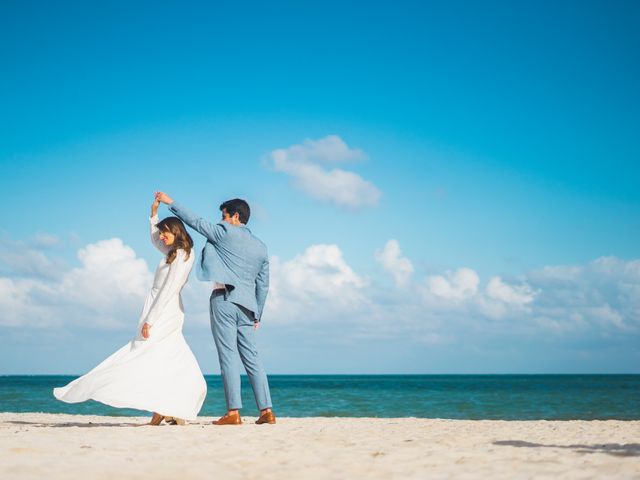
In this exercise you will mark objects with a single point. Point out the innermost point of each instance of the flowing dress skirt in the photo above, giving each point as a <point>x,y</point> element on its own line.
<point>159,374</point>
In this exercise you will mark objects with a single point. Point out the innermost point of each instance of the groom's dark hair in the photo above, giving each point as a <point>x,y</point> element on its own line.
<point>239,206</point>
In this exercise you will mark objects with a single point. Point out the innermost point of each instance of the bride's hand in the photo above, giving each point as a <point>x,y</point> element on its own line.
<point>154,206</point>
<point>145,330</point>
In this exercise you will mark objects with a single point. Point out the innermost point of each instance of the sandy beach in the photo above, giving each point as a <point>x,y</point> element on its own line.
<point>38,445</point>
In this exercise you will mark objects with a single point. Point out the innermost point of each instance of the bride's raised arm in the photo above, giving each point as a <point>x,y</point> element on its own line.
<point>155,233</point>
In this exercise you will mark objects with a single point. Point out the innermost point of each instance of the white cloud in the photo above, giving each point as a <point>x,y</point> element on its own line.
<point>561,272</point>
<point>16,305</point>
<point>391,259</point>
<point>519,295</point>
<point>331,149</point>
<point>316,283</point>
<point>604,293</point>
<point>25,259</point>
<point>109,273</point>
<point>305,163</point>
<point>46,240</point>
<point>458,285</point>
<point>460,292</point>
<point>107,289</point>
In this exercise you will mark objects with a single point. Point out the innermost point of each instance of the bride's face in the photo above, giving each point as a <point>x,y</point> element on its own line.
<point>167,238</point>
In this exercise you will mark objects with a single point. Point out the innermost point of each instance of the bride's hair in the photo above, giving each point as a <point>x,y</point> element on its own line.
<point>182,239</point>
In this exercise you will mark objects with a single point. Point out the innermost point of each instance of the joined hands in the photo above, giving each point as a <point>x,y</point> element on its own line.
<point>159,197</point>
<point>163,197</point>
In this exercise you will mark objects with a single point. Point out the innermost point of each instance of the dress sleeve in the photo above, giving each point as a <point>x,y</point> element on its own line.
<point>155,235</point>
<point>176,278</point>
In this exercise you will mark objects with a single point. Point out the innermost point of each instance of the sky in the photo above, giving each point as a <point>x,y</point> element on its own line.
<point>444,187</point>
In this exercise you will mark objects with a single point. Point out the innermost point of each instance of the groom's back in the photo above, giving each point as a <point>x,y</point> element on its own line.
<point>241,252</point>
<point>239,260</point>
<point>232,256</point>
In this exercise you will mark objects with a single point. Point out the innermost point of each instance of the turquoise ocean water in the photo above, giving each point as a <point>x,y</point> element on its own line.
<point>509,397</point>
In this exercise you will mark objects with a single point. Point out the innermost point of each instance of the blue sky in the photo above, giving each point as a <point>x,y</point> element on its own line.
<point>456,191</point>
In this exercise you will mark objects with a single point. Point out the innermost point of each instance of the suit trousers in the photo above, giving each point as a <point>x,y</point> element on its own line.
<point>233,332</point>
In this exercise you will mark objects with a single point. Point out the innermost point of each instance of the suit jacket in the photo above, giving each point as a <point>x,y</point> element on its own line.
<point>233,256</point>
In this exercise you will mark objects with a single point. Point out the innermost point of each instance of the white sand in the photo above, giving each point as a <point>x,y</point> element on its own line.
<point>39,446</point>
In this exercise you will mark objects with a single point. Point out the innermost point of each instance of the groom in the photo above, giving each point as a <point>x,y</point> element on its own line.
<point>238,264</point>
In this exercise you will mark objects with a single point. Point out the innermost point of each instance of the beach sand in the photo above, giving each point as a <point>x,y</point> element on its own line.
<point>38,445</point>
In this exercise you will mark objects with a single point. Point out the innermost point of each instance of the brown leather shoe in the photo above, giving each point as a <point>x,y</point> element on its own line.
<point>267,417</point>
<point>227,419</point>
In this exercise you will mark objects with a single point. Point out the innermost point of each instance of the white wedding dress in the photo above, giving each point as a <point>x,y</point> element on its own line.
<point>159,374</point>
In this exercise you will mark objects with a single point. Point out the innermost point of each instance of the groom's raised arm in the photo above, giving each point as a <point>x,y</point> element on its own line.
<point>213,231</point>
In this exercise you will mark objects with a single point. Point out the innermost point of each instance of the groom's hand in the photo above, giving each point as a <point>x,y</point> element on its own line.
<point>256,325</point>
<point>145,330</point>
<point>164,198</point>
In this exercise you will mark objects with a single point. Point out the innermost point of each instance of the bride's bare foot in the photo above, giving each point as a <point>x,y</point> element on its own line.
<point>156,419</point>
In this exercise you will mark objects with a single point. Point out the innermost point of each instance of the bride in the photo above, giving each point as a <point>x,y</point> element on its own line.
<point>156,371</point>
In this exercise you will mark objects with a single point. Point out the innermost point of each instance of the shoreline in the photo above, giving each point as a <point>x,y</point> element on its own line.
<point>206,418</point>
<point>56,446</point>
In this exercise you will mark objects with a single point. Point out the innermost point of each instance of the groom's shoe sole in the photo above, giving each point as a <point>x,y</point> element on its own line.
<point>268,417</point>
<point>228,420</point>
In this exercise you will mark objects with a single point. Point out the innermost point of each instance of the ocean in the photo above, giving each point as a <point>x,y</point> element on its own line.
<point>505,397</point>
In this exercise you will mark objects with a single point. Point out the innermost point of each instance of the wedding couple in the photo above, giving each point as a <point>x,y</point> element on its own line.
<point>156,371</point>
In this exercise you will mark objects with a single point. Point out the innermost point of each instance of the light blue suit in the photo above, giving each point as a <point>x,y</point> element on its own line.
<point>234,257</point>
